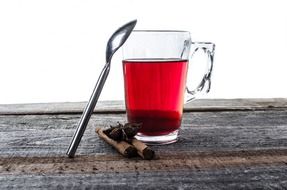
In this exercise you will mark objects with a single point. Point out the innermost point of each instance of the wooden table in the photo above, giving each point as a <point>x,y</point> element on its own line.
<point>224,144</point>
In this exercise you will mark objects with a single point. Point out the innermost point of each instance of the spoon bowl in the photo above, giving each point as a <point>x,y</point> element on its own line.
<point>118,38</point>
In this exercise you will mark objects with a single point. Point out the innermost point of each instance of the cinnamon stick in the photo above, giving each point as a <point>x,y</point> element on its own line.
<point>122,147</point>
<point>143,150</point>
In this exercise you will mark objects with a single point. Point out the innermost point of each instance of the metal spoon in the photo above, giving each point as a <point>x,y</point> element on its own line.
<point>115,42</point>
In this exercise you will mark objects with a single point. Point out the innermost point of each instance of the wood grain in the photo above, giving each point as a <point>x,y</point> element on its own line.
<point>217,149</point>
<point>118,106</point>
<point>41,135</point>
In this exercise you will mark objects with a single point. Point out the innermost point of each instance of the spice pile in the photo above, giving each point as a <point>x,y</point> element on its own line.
<point>121,137</point>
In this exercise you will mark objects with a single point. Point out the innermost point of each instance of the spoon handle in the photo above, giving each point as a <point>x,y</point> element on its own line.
<point>88,111</point>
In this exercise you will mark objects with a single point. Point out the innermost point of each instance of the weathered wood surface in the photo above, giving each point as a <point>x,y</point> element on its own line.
<point>226,149</point>
<point>118,106</point>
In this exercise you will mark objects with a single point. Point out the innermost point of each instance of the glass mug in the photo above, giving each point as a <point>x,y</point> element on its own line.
<point>155,65</point>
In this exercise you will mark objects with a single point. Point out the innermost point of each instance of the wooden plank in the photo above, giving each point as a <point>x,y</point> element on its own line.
<point>44,135</point>
<point>217,150</point>
<point>118,106</point>
<point>167,162</point>
<point>238,178</point>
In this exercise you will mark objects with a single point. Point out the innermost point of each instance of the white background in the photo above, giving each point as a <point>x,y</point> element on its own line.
<point>53,50</point>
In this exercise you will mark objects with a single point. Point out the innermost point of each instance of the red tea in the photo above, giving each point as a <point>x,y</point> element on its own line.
<point>154,92</point>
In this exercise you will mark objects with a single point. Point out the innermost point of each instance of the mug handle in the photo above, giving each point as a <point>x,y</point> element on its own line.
<point>208,49</point>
